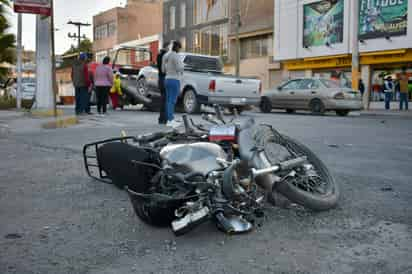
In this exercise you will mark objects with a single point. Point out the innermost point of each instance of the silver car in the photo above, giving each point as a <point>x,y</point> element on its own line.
<point>315,95</point>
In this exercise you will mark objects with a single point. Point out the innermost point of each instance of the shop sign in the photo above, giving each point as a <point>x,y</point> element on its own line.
<point>387,58</point>
<point>323,23</point>
<point>321,63</point>
<point>381,18</point>
<point>42,7</point>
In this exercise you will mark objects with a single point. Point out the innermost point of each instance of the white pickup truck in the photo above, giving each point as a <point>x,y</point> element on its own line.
<point>202,83</point>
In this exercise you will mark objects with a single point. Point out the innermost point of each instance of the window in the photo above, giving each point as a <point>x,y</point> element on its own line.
<point>211,40</point>
<point>105,30</point>
<point>183,15</point>
<point>112,28</point>
<point>205,11</point>
<point>294,84</point>
<point>255,47</point>
<point>172,17</point>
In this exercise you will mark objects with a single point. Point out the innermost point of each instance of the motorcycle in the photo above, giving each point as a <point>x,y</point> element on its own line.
<point>226,172</point>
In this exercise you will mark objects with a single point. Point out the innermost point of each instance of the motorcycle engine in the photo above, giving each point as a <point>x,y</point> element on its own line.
<point>196,157</point>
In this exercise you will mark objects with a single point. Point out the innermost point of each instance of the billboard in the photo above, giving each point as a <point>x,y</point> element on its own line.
<point>323,23</point>
<point>381,18</point>
<point>42,7</point>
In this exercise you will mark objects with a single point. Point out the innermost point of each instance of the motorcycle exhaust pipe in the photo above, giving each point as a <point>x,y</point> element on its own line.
<point>286,165</point>
<point>190,221</point>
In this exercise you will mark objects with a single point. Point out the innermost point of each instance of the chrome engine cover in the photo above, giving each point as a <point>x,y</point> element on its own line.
<point>196,157</point>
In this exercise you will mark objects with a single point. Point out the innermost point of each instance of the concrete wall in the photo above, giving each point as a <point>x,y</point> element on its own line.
<point>255,15</point>
<point>289,33</point>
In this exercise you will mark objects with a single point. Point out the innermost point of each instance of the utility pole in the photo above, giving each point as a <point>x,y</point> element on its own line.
<point>78,36</point>
<point>355,45</point>
<point>53,53</point>
<point>19,60</point>
<point>237,27</point>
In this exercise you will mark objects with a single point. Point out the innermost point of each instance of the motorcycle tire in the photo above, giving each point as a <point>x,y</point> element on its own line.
<point>310,200</point>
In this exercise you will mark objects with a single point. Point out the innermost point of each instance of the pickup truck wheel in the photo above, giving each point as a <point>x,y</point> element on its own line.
<point>190,102</point>
<point>265,105</point>
<point>141,87</point>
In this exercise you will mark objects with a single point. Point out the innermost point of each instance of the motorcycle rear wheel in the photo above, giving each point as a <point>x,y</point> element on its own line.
<point>309,196</point>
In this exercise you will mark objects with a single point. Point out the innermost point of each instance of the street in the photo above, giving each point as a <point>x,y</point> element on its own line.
<point>55,219</point>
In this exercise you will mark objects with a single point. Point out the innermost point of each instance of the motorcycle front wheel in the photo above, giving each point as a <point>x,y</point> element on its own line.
<point>313,186</point>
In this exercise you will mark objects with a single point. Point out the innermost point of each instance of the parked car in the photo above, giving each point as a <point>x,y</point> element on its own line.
<point>315,95</point>
<point>203,83</point>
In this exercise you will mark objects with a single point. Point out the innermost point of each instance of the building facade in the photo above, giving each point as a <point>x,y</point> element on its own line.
<point>205,27</point>
<point>314,38</point>
<point>200,25</point>
<point>137,20</point>
<point>256,41</point>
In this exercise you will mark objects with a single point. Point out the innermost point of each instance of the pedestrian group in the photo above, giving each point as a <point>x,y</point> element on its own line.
<point>105,83</point>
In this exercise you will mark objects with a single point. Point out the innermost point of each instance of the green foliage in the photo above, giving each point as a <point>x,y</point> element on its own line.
<point>86,46</point>
<point>7,41</point>
<point>8,102</point>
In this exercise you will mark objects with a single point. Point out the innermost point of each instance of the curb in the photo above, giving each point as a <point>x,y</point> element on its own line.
<point>61,123</point>
<point>45,113</point>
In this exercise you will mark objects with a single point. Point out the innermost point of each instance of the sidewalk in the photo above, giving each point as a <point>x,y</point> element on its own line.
<point>23,121</point>
<point>378,108</point>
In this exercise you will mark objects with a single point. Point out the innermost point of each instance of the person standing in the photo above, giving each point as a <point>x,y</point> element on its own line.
<point>173,67</point>
<point>361,88</point>
<point>161,83</point>
<point>116,91</point>
<point>81,82</point>
<point>403,90</point>
<point>388,90</point>
<point>103,80</point>
<point>376,89</point>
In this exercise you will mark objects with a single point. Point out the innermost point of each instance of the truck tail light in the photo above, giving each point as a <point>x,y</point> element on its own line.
<point>260,88</point>
<point>212,86</point>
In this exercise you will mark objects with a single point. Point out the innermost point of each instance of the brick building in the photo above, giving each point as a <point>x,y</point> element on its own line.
<point>137,20</point>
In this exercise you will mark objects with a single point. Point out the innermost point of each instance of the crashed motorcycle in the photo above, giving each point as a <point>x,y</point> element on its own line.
<point>227,172</point>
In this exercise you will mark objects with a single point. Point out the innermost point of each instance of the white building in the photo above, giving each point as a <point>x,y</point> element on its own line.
<point>314,37</point>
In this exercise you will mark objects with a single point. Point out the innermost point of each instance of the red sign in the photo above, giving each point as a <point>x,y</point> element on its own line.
<point>41,7</point>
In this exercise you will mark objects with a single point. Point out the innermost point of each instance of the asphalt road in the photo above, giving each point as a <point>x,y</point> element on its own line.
<point>54,219</point>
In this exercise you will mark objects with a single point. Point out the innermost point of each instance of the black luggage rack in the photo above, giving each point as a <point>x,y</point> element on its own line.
<point>91,157</point>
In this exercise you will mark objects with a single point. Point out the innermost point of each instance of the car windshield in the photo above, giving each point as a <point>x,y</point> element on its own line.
<point>330,83</point>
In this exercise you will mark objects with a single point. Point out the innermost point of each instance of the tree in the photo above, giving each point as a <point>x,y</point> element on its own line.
<point>85,46</point>
<point>7,40</point>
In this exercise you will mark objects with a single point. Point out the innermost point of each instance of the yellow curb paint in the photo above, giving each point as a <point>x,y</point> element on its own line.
<point>61,123</point>
<point>46,113</point>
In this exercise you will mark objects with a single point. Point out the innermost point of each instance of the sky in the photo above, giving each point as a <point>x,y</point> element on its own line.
<point>65,10</point>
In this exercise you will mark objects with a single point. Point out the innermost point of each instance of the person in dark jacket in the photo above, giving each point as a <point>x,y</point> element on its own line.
<point>361,87</point>
<point>81,82</point>
<point>161,83</point>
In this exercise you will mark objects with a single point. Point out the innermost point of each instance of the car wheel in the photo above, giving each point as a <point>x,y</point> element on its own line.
<point>342,112</point>
<point>142,87</point>
<point>190,102</point>
<point>265,105</point>
<point>290,111</point>
<point>317,107</point>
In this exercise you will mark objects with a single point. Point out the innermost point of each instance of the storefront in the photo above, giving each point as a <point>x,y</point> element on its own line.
<point>374,66</point>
